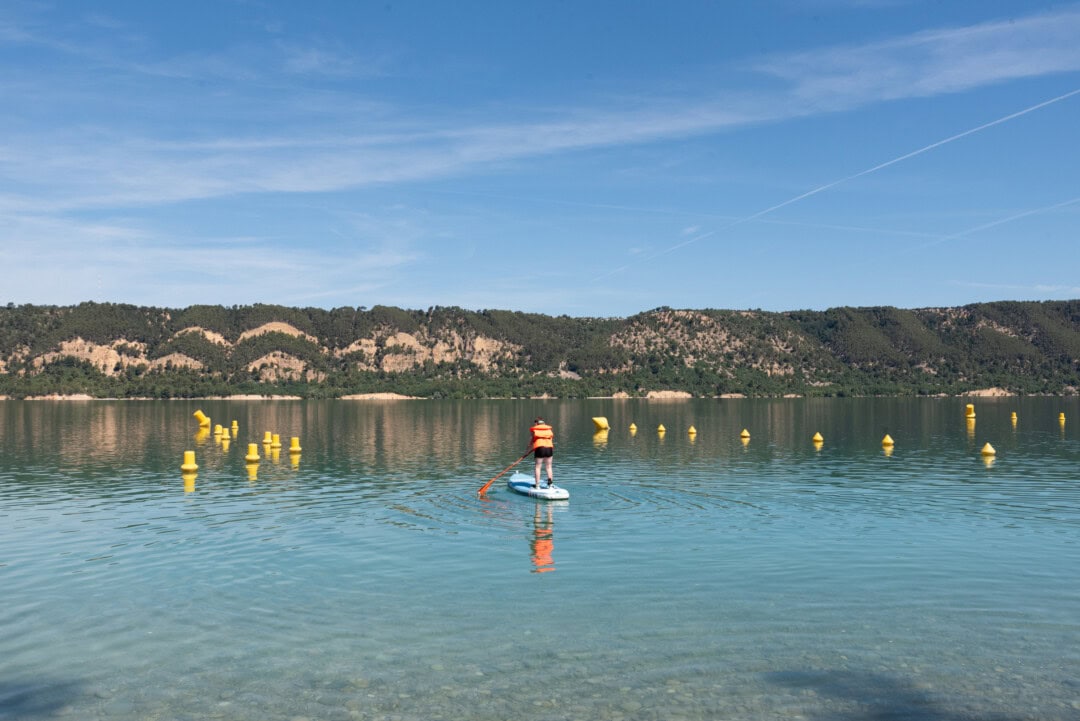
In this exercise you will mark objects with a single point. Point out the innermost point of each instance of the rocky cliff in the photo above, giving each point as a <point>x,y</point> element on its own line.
<point>1022,347</point>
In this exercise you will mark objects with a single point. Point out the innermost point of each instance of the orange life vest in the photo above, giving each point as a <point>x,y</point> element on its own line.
<point>542,436</point>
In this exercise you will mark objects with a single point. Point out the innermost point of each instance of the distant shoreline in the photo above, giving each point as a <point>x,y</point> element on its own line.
<point>239,397</point>
<point>650,396</point>
<point>266,352</point>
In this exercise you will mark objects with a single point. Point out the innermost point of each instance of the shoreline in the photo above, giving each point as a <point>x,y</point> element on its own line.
<point>668,395</point>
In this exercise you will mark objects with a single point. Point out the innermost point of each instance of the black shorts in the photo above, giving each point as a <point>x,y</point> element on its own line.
<point>543,452</point>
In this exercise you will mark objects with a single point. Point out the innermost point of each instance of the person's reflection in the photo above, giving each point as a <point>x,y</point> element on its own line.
<point>542,543</point>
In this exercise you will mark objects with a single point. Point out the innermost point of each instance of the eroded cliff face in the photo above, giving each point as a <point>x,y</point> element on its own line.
<point>395,351</point>
<point>110,359</point>
<point>695,337</point>
<point>1017,346</point>
<point>387,350</point>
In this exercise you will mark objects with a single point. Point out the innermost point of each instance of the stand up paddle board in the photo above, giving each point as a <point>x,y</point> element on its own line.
<point>520,483</point>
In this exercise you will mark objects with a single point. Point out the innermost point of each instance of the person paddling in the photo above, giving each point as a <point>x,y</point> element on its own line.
<point>542,444</point>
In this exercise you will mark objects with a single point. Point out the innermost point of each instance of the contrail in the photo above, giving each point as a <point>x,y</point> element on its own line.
<point>1000,221</point>
<point>868,171</point>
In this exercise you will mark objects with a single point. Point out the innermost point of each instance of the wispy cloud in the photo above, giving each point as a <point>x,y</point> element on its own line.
<point>320,58</point>
<point>932,62</point>
<point>123,258</point>
<point>1026,290</point>
<point>118,171</point>
<point>141,130</point>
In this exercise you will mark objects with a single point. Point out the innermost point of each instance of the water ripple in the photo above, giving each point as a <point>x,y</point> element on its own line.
<point>701,579</point>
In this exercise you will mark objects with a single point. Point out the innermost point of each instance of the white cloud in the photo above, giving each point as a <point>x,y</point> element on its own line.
<point>1027,290</point>
<point>932,62</point>
<point>59,260</point>
<point>322,140</point>
<point>317,58</point>
<point>102,169</point>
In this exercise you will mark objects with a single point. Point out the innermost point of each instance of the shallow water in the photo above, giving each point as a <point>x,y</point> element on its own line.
<point>686,577</point>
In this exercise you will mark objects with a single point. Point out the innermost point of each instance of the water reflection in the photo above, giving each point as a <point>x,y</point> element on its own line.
<point>542,543</point>
<point>370,575</point>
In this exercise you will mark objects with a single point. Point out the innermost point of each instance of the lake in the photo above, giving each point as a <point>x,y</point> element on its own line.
<point>688,577</point>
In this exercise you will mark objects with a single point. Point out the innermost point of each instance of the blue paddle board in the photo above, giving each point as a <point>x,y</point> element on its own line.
<point>520,483</point>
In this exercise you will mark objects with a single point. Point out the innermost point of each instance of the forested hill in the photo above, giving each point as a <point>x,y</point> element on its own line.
<point>114,350</point>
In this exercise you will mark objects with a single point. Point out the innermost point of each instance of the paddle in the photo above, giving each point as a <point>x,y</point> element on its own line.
<point>483,488</point>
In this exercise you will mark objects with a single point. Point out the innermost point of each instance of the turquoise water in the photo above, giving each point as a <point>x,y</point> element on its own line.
<point>686,577</point>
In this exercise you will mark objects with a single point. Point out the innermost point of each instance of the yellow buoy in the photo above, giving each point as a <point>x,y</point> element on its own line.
<point>189,462</point>
<point>600,422</point>
<point>202,418</point>
<point>217,430</point>
<point>235,428</point>
<point>887,441</point>
<point>253,453</point>
<point>268,438</point>
<point>692,431</point>
<point>660,428</point>
<point>818,438</point>
<point>633,427</point>
<point>276,441</point>
<point>1013,418</point>
<point>970,410</point>
<point>988,450</point>
<point>294,444</point>
<point>1061,417</point>
<point>745,433</point>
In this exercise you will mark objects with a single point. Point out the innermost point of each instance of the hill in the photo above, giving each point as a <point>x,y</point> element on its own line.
<point>124,351</point>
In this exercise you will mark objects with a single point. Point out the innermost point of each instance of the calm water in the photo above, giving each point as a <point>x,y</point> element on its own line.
<point>686,578</point>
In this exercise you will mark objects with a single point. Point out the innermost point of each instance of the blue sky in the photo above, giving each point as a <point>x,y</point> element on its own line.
<point>580,158</point>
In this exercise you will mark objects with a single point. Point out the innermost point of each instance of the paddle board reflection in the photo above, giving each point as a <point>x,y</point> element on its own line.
<point>542,543</point>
